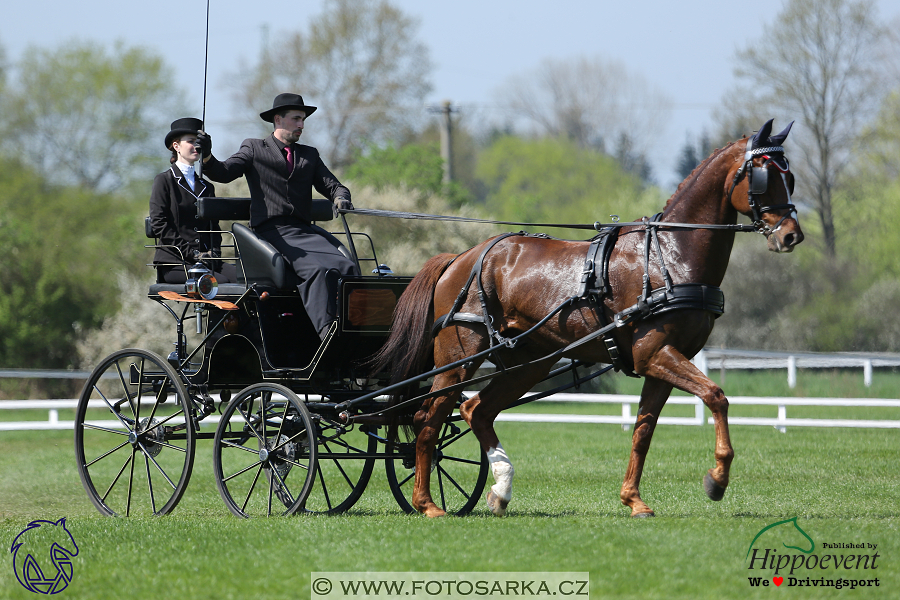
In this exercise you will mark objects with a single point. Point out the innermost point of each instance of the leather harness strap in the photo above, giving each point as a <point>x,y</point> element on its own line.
<point>593,285</point>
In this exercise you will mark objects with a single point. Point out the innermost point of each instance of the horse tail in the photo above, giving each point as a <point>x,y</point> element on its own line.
<point>408,350</point>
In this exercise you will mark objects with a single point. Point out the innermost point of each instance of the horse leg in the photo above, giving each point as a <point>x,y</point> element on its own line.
<point>653,397</point>
<point>671,366</point>
<point>429,420</point>
<point>482,409</point>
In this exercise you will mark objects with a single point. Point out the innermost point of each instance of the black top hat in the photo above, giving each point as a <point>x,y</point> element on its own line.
<point>183,127</point>
<point>286,102</point>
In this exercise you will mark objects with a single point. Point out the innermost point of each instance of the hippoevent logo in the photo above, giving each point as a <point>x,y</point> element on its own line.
<point>42,556</point>
<point>784,554</point>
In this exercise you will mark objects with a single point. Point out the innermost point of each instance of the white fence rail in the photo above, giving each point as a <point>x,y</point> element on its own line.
<point>780,421</point>
<point>723,359</point>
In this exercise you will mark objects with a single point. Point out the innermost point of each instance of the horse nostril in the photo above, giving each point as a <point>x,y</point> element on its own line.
<point>792,239</point>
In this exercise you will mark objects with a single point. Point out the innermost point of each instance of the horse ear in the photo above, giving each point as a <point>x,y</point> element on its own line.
<point>778,139</point>
<point>763,134</point>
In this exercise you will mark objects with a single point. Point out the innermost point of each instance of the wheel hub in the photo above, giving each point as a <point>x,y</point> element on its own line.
<point>152,436</point>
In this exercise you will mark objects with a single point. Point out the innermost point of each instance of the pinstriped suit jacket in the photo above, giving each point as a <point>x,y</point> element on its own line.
<point>274,191</point>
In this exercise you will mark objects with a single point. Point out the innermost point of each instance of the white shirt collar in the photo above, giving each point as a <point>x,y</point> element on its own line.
<point>188,171</point>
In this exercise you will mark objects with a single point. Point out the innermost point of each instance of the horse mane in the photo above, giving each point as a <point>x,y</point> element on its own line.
<point>699,169</point>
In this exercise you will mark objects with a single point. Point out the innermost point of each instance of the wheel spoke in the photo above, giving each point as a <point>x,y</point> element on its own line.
<point>150,483</point>
<point>105,454</point>
<point>283,485</point>
<point>252,485</point>
<point>239,447</point>
<point>249,421</point>
<point>106,429</point>
<point>444,442</point>
<point>453,481</point>
<point>407,478</point>
<point>130,483</point>
<point>122,470</point>
<point>441,488</point>
<point>339,468</point>
<point>325,489</point>
<point>289,440</point>
<point>140,386</point>
<point>113,410</point>
<point>167,419</point>
<point>168,445</point>
<point>161,393</point>
<point>465,461</point>
<point>147,454</point>
<point>271,491</point>
<point>125,389</point>
<point>242,471</point>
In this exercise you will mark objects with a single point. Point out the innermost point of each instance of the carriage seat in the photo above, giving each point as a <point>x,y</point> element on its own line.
<point>260,262</point>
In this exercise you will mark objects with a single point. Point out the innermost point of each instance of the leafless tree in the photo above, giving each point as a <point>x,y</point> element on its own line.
<point>820,62</point>
<point>591,101</point>
<point>360,62</point>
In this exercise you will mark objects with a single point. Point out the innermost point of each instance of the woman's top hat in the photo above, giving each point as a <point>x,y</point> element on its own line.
<point>183,127</point>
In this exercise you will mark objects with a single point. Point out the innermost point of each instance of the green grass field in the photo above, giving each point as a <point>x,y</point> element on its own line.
<point>842,484</point>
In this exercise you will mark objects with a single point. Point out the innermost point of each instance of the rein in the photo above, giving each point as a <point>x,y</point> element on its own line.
<point>596,226</point>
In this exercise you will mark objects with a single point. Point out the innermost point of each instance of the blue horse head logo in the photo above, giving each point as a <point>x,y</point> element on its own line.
<point>788,533</point>
<point>44,543</point>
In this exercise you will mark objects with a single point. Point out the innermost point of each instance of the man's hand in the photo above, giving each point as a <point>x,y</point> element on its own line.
<point>203,144</point>
<point>343,204</point>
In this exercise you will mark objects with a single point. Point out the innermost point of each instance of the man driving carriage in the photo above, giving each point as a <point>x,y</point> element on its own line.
<point>281,174</point>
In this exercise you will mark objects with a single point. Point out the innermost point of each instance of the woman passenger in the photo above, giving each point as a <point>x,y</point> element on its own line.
<point>173,212</point>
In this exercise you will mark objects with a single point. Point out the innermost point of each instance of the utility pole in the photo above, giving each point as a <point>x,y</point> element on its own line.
<point>446,138</point>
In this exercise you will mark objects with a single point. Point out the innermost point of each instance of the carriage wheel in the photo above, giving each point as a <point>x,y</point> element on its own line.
<point>345,464</point>
<point>459,470</point>
<point>264,454</point>
<point>140,461</point>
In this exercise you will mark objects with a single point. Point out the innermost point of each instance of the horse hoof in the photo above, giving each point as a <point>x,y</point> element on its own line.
<point>496,504</point>
<point>713,490</point>
<point>643,515</point>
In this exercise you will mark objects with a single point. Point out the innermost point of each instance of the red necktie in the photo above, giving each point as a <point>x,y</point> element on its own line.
<point>290,159</point>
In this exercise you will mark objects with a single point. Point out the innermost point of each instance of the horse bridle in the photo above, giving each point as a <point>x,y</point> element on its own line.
<point>758,182</point>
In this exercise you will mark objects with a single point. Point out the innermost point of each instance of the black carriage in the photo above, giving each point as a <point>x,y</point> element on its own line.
<point>266,391</point>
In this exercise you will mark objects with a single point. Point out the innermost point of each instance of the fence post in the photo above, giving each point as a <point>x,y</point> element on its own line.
<point>700,362</point>
<point>867,373</point>
<point>792,371</point>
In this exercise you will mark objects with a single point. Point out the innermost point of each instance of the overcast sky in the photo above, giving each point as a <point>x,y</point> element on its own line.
<point>686,49</point>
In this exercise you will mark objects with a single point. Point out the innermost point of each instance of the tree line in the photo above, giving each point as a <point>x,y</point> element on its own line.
<point>76,168</point>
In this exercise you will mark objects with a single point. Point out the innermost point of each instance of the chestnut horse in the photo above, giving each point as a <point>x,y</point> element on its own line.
<point>524,278</point>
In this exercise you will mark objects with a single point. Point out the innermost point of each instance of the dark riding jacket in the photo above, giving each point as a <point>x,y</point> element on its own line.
<point>173,217</point>
<point>275,192</point>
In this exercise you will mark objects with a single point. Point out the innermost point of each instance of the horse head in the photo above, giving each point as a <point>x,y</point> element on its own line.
<point>761,188</point>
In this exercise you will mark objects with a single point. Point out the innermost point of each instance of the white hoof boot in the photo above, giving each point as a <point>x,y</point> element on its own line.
<point>499,495</point>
